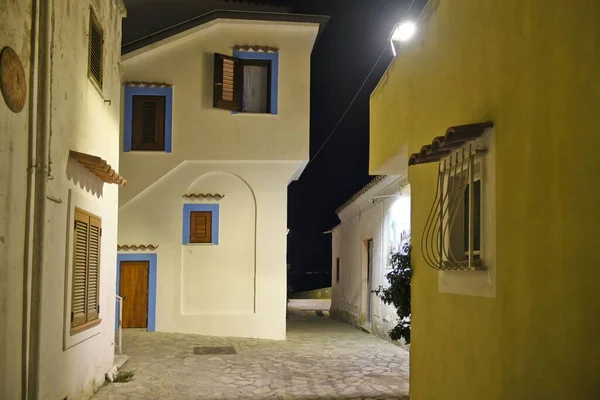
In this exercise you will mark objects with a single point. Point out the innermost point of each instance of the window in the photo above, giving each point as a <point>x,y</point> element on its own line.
<point>85,308</point>
<point>337,270</point>
<point>96,51</point>
<point>200,224</point>
<point>459,236</point>
<point>246,82</point>
<point>201,227</point>
<point>459,231</point>
<point>148,130</point>
<point>148,117</point>
<point>464,235</point>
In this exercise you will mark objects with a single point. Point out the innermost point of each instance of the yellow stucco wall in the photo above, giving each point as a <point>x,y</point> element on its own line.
<point>532,67</point>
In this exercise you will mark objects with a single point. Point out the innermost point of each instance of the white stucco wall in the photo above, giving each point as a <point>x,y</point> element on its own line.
<point>15,17</point>
<point>235,288</point>
<point>360,221</point>
<point>80,120</point>
<point>238,287</point>
<point>203,132</point>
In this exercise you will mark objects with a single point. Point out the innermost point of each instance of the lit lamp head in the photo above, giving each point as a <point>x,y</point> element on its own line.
<point>403,32</point>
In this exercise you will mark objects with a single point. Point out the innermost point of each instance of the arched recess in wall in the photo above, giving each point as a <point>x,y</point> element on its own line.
<point>221,278</point>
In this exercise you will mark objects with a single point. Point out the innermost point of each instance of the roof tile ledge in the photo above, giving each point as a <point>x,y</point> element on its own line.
<point>99,167</point>
<point>442,146</point>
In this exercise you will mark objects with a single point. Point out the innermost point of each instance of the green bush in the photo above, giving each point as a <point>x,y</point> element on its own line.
<point>398,292</point>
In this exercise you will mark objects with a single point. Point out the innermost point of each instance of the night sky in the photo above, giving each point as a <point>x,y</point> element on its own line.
<point>352,41</point>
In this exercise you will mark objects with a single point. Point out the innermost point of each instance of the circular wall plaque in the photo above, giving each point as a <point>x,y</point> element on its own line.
<point>12,80</point>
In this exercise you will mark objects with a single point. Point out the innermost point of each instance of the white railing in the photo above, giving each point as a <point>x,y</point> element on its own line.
<point>120,324</point>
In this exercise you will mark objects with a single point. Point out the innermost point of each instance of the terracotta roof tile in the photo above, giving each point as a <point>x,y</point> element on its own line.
<point>98,167</point>
<point>442,146</point>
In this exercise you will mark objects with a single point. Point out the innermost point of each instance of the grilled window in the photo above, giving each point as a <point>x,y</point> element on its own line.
<point>96,56</point>
<point>148,130</point>
<point>452,236</point>
<point>85,306</point>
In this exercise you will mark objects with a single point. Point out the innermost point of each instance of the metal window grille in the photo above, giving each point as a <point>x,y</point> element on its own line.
<point>452,234</point>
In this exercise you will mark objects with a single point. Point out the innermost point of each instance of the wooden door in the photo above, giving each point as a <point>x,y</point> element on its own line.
<point>133,288</point>
<point>369,279</point>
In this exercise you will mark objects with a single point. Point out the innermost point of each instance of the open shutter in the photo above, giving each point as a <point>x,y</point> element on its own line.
<point>228,83</point>
<point>80,267</point>
<point>93,281</point>
<point>201,227</point>
<point>148,126</point>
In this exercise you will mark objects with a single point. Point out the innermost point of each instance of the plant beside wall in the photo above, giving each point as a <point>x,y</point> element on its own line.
<point>398,292</point>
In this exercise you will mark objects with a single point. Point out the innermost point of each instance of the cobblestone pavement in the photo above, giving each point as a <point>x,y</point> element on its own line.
<point>321,358</point>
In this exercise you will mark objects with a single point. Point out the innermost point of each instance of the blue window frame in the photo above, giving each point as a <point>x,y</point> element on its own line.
<point>274,58</point>
<point>131,91</point>
<point>188,209</point>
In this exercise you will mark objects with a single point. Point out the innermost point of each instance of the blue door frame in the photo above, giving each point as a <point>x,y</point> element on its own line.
<point>152,263</point>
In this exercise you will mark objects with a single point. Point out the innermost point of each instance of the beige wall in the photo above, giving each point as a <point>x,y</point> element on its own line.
<point>202,132</point>
<point>235,288</point>
<point>80,120</point>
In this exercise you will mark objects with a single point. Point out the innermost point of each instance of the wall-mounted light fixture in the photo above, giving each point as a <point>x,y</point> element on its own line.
<point>402,32</point>
<point>372,199</point>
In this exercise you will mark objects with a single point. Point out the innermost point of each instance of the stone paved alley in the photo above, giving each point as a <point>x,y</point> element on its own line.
<point>322,358</point>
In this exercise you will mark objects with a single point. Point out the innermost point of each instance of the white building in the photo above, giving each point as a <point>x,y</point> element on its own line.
<point>375,222</point>
<point>215,127</point>
<point>59,137</point>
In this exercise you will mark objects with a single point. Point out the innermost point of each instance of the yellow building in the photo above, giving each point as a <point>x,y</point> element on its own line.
<point>523,321</point>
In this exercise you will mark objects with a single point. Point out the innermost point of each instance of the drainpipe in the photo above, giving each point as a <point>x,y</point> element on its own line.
<point>28,243</point>
<point>41,169</point>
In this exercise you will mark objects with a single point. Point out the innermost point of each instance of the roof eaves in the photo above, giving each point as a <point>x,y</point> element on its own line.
<point>223,14</point>
<point>362,191</point>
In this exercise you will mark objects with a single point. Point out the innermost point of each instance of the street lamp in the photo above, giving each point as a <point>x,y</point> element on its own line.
<point>403,32</point>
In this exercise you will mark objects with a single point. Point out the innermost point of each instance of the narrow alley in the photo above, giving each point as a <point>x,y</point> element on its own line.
<point>322,358</point>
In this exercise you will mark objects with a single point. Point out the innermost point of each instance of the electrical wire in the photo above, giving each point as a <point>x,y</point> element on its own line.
<point>355,96</point>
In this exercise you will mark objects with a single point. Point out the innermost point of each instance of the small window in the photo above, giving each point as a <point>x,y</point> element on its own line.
<point>459,213</point>
<point>476,217</point>
<point>85,308</point>
<point>148,130</point>
<point>337,270</point>
<point>242,85</point>
<point>96,51</point>
<point>201,227</point>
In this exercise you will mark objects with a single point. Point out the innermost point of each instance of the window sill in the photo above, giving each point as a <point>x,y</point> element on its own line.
<point>147,151</point>
<point>96,86</point>
<point>254,114</point>
<point>86,326</point>
<point>200,244</point>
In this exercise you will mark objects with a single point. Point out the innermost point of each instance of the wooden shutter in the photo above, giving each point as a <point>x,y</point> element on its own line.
<point>96,50</point>
<point>93,279</point>
<point>80,267</point>
<point>201,227</point>
<point>86,269</point>
<point>228,79</point>
<point>148,130</point>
